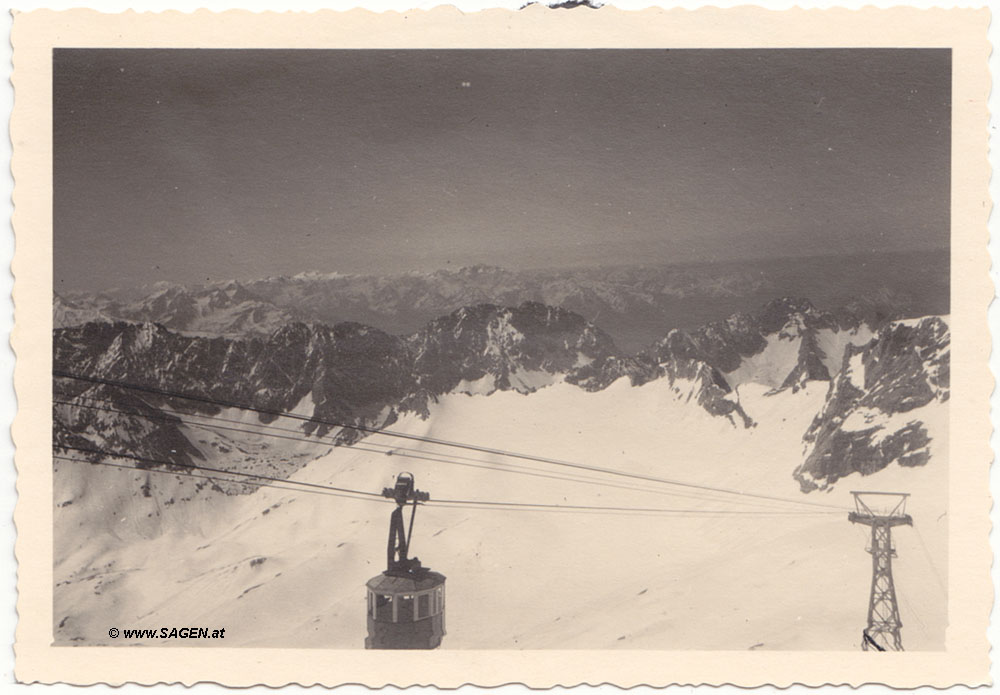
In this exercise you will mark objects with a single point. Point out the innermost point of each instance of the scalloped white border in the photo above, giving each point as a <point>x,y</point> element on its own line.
<point>965,659</point>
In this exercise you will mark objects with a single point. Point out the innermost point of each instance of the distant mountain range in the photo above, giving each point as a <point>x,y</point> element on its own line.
<point>634,305</point>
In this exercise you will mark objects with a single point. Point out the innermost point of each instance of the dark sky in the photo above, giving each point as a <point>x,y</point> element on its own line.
<point>186,165</point>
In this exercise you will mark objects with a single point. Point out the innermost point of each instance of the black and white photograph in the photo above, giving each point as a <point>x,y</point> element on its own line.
<point>657,341</point>
<point>501,349</point>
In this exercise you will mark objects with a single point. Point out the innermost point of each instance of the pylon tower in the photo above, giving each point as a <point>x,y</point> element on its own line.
<point>882,632</point>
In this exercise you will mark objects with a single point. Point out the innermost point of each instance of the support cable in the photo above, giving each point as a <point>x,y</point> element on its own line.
<point>452,459</point>
<point>432,440</point>
<point>267,481</point>
<point>930,561</point>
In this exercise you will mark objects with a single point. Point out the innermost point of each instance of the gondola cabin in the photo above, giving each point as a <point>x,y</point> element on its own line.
<point>406,602</point>
<point>405,612</point>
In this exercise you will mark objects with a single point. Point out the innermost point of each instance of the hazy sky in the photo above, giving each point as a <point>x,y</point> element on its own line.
<point>188,165</point>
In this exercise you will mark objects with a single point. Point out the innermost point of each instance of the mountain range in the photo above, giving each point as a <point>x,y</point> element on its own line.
<point>348,378</point>
<point>634,304</point>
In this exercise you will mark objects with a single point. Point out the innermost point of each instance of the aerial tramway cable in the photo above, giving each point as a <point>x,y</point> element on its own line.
<point>287,484</point>
<point>930,561</point>
<point>216,479</point>
<point>256,476</point>
<point>451,459</point>
<point>432,440</point>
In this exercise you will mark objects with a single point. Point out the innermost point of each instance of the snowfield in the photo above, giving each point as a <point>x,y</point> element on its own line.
<point>283,568</point>
<point>774,363</point>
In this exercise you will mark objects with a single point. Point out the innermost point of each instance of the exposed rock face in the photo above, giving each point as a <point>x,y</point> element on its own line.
<point>124,422</point>
<point>362,366</point>
<point>727,345</point>
<point>354,375</point>
<point>873,412</point>
<point>786,344</point>
<point>809,366</point>
<point>519,348</point>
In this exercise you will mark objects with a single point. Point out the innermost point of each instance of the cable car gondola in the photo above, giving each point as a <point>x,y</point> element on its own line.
<point>406,601</point>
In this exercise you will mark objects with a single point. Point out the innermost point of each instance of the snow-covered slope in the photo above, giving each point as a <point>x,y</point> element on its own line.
<point>723,406</point>
<point>279,568</point>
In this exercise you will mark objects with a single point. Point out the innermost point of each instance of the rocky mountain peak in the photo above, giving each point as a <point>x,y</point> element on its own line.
<point>874,412</point>
<point>778,312</point>
<point>495,347</point>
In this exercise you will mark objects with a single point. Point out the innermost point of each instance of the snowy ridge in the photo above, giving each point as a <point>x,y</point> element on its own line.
<point>784,346</point>
<point>67,313</point>
<point>225,309</point>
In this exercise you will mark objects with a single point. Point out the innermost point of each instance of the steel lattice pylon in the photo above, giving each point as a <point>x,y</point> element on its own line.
<point>882,632</point>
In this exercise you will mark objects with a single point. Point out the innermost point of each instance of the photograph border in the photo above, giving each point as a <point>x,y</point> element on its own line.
<point>966,658</point>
